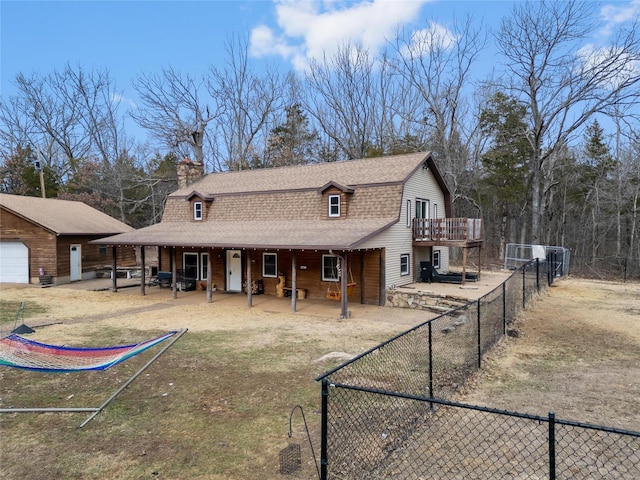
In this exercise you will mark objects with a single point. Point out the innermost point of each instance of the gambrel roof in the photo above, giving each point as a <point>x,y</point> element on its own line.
<point>350,173</point>
<point>63,217</point>
<point>282,207</point>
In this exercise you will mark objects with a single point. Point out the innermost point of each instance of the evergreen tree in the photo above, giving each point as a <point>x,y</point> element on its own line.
<point>503,186</point>
<point>293,142</point>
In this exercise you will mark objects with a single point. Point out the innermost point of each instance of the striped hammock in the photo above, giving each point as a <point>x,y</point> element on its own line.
<point>19,352</point>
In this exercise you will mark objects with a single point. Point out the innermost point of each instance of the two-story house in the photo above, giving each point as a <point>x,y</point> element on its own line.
<point>352,228</point>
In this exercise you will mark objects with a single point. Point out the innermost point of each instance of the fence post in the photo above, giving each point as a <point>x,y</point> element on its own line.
<point>504,308</point>
<point>479,339</point>
<point>538,274</point>
<point>323,434</point>
<point>552,446</point>
<point>430,363</point>
<point>524,286</point>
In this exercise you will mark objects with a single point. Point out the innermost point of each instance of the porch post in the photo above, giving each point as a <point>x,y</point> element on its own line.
<point>249,282</point>
<point>174,273</point>
<point>294,282</point>
<point>114,266</point>
<point>362,276</point>
<point>209,275</point>
<point>142,275</point>
<point>344,280</point>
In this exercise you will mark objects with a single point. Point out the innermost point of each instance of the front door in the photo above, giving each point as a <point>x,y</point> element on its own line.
<point>76,263</point>
<point>234,271</point>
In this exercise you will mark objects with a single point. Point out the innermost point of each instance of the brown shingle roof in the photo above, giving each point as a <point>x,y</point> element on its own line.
<point>63,217</point>
<point>302,234</point>
<point>367,171</point>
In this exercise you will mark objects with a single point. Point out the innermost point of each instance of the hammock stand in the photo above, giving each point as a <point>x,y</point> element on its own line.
<point>128,351</point>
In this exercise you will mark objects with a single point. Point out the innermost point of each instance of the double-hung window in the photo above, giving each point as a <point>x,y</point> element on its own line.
<point>197,210</point>
<point>334,205</point>
<point>269,265</point>
<point>330,268</point>
<point>404,264</point>
<point>436,259</point>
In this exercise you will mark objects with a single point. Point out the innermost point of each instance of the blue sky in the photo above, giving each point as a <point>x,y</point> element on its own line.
<point>129,38</point>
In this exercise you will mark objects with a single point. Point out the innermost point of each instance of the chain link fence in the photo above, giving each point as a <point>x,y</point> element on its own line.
<point>615,268</point>
<point>386,414</point>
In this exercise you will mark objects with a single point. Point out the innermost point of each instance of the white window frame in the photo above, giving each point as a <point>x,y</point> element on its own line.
<point>424,207</point>
<point>275,270</point>
<point>325,278</point>
<point>203,265</point>
<point>332,206</point>
<point>197,211</point>
<point>408,213</point>
<point>436,259</point>
<point>405,266</point>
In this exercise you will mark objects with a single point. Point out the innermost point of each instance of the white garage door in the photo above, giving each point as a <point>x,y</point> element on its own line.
<point>14,262</point>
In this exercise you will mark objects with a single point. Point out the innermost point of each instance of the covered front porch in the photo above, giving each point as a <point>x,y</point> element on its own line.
<point>341,276</point>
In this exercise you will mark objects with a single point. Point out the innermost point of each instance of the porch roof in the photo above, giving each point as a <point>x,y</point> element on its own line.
<point>292,234</point>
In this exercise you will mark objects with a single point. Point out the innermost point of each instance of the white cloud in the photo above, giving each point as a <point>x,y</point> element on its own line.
<point>434,38</point>
<point>121,99</point>
<point>623,64</point>
<point>309,29</point>
<point>619,13</point>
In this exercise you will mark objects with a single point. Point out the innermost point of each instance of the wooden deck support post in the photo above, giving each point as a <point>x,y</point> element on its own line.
<point>464,264</point>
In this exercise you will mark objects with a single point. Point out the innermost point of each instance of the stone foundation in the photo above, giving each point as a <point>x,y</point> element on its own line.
<point>422,300</point>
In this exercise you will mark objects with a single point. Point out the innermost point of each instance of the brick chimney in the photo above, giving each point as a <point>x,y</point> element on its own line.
<point>189,172</point>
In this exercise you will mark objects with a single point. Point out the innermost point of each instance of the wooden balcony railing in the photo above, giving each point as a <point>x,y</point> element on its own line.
<point>448,230</point>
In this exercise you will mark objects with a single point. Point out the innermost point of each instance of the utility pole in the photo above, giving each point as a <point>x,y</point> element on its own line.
<point>41,170</point>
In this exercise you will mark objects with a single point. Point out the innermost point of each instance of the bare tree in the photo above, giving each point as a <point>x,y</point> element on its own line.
<point>563,82</point>
<point>47,113</point>
<point>435,66</point>
<point>249,104</point>
<point>344,98</point>
<point>173,111</point>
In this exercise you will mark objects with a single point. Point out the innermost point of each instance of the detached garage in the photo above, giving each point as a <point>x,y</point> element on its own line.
<point>51,237</point>
<point>14,262</point>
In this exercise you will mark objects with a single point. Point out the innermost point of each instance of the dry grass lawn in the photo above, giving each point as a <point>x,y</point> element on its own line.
<point>216,405</point>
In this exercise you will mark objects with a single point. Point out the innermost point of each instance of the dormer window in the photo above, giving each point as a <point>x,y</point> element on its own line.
<point>335,200</point>
<point>199,202</point>
<point>334,205</point>
<point>197,211</point>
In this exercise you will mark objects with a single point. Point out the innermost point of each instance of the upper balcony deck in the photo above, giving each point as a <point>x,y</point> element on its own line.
<point>459,232</point>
